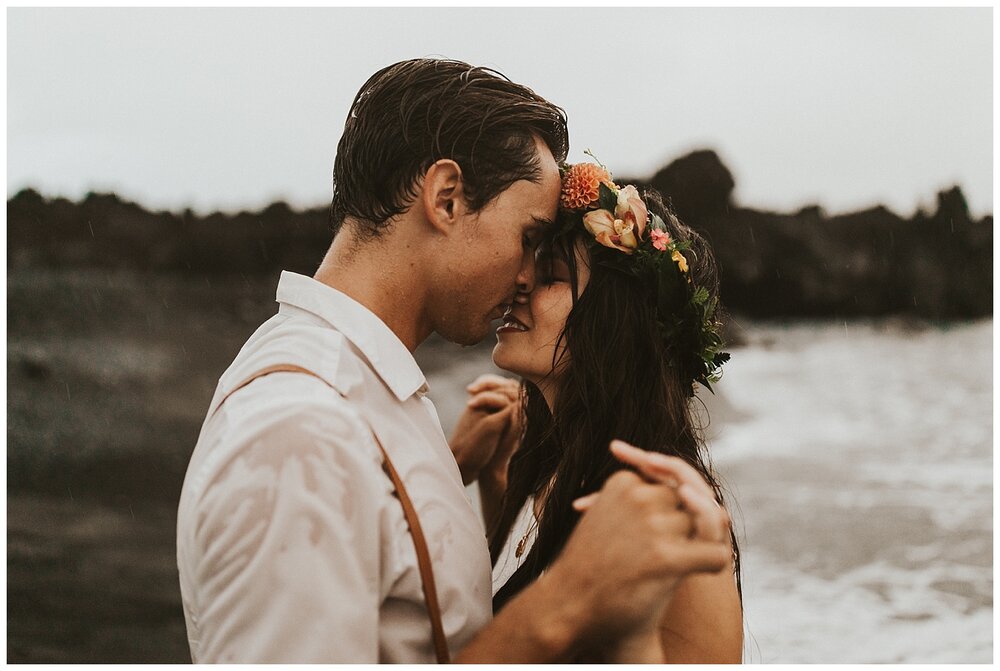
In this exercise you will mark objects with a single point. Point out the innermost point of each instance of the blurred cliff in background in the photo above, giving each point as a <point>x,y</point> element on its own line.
<point>805,264</point>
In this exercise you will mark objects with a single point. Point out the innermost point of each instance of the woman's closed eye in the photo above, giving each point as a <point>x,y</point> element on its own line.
<point>551,271</point>
<point>531,239</point>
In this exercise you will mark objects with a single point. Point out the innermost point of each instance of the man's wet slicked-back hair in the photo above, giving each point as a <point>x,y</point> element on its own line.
<point>411,114</point>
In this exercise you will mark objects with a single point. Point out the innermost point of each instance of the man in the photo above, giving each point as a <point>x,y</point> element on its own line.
<point>292,543</point>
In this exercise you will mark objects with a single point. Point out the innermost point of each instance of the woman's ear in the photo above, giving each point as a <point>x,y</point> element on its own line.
<point>443,197</point>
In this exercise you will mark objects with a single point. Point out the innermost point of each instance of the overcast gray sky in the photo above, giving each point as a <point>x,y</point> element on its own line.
<point>234,108</point>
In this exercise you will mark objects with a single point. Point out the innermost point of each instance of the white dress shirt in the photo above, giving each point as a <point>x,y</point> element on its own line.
<point>291,545</point>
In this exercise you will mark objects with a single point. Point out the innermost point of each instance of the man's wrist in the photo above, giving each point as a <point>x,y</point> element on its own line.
<point>539,626</point>
<point>566,615</point>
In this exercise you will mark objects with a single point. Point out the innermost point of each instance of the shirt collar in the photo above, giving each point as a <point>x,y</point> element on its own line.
<point>386,353</point>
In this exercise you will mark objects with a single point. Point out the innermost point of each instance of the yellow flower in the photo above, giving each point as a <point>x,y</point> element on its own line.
<point>682,263</point>
<point>615,233</point>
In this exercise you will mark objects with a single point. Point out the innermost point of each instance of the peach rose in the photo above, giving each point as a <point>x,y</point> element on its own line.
<point>630,208</point>
<point>611,232</point>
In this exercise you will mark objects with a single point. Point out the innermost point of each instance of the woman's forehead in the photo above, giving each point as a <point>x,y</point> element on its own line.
<point>557,245</point>
<point>557,249</point>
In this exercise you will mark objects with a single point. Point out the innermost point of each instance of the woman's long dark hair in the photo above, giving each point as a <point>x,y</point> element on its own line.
<point>622,380</point>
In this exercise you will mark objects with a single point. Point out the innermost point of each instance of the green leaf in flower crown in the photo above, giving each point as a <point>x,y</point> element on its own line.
<point>670,287</point>
<point>607,198</point>
<point>700,296</point>
<point>656,223</point>
<point>710,308</point>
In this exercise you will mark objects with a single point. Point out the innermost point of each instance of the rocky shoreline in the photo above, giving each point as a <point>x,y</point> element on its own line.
<point>808,264</point>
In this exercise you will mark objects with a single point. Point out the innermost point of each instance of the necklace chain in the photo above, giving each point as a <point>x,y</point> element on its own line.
<point>521,544</point>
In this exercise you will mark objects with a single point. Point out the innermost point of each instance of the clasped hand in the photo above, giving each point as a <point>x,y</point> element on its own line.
<point>637,538</point>
<point>489,430</point>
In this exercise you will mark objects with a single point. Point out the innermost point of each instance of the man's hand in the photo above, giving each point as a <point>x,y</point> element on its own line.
<point>616,574</point>
<point>487,433</point>
<point>711,521</point>
<point>636,539</point>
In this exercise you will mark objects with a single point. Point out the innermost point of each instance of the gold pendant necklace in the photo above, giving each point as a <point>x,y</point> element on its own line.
<point>521,544</point>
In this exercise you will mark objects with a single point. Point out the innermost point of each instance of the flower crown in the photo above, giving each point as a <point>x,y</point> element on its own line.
<point>618,219</point>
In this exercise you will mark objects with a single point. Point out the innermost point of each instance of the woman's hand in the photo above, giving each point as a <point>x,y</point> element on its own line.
<point>488,432</point>
<point>710,522</point>
<point>707,522</point>
<point>485,390</point>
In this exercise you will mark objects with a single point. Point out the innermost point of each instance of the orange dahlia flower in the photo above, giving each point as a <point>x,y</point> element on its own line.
<point>581,185</point>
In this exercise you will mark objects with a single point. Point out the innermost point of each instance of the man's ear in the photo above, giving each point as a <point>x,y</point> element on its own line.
<point>443,196</point>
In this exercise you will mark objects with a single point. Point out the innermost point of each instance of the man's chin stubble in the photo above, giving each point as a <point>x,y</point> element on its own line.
<point>466,337</point>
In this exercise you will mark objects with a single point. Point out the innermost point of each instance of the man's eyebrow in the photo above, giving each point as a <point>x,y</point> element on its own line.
<point>543,223</point>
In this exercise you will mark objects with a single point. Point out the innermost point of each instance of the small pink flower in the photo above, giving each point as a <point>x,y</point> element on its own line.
<point>660,239</point>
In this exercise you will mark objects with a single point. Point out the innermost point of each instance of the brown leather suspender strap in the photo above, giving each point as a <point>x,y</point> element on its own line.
<point>423,561</point>
<point>419,542</point>
<point>278,368</point>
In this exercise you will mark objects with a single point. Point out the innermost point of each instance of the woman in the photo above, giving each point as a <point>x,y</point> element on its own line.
<point>620,326</point>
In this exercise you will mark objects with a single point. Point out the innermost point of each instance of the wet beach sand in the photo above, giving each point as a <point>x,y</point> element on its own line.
<point>861,465</point>
<point>109,376</point>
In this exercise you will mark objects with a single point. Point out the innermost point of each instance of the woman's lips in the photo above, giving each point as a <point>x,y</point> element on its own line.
<point>511,324</point>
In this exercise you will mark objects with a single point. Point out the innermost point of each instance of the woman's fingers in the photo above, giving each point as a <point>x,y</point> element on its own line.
<point>672,471</point>
<point>498,420</point>
<point>477,435</point>
<point>711,522</point>
<point>489,381</point>
<point>490,401</point>
<point>709,519</point>
<point>585,502</point>
<point>485,380</point>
